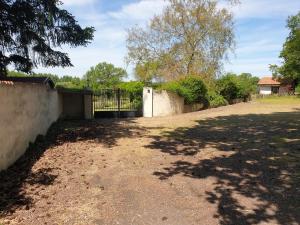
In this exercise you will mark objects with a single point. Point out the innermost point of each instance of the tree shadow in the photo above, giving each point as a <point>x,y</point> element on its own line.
<point>258,159</point>
<point>102,131</point>
<point>20,182</point>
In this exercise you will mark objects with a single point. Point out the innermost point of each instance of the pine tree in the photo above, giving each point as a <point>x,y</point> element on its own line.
<point>32,30</point>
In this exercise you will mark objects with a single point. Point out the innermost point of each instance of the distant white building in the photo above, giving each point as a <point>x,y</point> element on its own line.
<point>268,86</point>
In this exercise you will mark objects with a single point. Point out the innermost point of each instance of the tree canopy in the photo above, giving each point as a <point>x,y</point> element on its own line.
<point>104,75</point>
<point>31,32</point>
<point>189,37</point>
<point>290,53</point>
<point>232,86</point>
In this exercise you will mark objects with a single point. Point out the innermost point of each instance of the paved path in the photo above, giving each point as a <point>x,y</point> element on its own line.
<point>232,165</point>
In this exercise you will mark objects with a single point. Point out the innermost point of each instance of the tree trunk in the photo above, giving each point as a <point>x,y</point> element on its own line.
<point>3,72</point>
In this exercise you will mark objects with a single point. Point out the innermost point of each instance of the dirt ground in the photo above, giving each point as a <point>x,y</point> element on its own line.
<point>237,164</point>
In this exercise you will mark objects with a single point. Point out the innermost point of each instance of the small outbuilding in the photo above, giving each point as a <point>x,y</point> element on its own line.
<point>268,86</point>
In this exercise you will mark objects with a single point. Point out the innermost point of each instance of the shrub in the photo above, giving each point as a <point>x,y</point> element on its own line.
<point>135,90</point>
<point>297,90</point>
<point>133,87</point>
<point>191,88</point>
<point>216,100</point>
<point>228,88</point>
<point>232,86</point>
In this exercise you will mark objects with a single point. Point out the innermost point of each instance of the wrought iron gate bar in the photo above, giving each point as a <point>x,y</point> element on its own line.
<point>115,100</point>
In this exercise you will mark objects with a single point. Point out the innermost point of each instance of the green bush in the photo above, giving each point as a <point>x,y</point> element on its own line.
<point>191,88</point>
<point>135,91</point>
<point>232,86</point>
<point>228,88</point>
<point>297,90</point>
<point>133,87</point>
<point>216,100</point>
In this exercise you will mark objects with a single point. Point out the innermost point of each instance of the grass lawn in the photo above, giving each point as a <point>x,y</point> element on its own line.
<point>279,99</point>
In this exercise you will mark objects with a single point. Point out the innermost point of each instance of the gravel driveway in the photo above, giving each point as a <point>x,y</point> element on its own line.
<point>237,164</point>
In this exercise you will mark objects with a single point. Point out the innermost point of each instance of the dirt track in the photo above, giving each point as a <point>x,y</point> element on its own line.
<point>232,165</point>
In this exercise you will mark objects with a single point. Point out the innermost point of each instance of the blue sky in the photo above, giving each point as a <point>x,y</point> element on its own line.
<point>260,32</point>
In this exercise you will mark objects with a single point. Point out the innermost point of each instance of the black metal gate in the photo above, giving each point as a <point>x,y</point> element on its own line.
<point>116,103</point>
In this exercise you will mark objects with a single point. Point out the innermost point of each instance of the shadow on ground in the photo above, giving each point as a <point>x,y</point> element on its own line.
<point>19,182</point>
<point>259,159</point>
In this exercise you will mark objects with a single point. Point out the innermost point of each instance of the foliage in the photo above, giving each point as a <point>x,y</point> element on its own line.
<point>191,88</point>
<point>290,52</point>
<point>32,31</point>
<point>189,37</point>
<point>228,87</point>
<point>53,77</point>
<point>215,99</point>
<point>247,84</point>
<point>232,86</point>
<point>70,82</point>
<point>65,81</point>
<point>145,71</point>
<point>297,90</point>
<point>104,75</point>
<point>134,87</point>
<point>135,90</point>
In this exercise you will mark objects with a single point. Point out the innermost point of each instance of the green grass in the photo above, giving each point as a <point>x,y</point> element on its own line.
<point>279,99</point>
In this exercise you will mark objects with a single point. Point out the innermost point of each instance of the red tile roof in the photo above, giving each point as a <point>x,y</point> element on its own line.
<point>38,80</point>
<point>268,81</point>
<point>6,82</point>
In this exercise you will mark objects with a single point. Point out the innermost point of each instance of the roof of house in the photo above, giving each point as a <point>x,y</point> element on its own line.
<point>37,80</point>
<point>268,81</point>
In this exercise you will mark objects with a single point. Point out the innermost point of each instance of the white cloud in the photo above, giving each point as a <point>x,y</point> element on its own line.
<point>257,46</point>
<point>142,10</point>
<point>77,2</point>
<point>265,8</point>
<point>109,42</point>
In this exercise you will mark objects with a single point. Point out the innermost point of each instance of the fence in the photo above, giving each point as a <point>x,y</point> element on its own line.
<point>116,103</point>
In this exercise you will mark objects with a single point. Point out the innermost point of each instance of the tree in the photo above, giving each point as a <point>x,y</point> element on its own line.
<point>104,75</point>
<point>64,81</point>
<point>190,37</point>
<point>70,82</point>
<point>290,53</point>
<point>31,31</point>
<point>248,83</point>
<point>233,86</point>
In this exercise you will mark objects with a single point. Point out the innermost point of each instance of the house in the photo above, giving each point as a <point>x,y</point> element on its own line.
<point>268,86</point>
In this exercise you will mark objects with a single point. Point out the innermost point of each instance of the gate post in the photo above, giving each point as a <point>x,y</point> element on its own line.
<point>88,105</point>
<point>119,102</point>
<point>148,102</point>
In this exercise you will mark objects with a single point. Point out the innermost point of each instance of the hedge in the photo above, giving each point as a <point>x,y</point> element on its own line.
<point>191,88</point>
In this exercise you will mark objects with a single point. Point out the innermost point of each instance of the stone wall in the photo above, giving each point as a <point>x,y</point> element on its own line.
<point>164,103</point>
<point>26,111</point>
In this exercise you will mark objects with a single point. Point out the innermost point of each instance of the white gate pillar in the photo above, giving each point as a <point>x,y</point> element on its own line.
<point>148,102</point>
